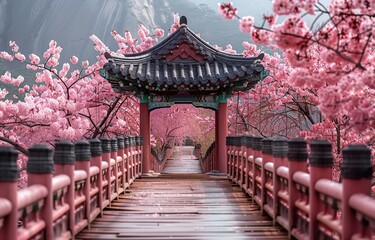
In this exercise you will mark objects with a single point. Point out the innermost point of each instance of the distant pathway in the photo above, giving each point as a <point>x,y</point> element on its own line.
<point>182,203</point>
<point>182,161</point>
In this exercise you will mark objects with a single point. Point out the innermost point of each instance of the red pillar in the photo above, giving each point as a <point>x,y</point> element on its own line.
<point>40,168</point>
<point>8,186</point>
<point>222,132</point>
<point>356,172</point>
<point>320,160</point>
<point>145,131</point>
<point>216,155</point>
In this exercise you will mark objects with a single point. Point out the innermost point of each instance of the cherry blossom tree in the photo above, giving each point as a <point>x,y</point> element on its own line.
<point>331,61</point>
<point>326,73</point>
<point>67,101</point>
<point>173,125</point>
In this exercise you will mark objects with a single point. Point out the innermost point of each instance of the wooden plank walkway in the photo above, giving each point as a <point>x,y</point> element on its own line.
<point>178,205</point>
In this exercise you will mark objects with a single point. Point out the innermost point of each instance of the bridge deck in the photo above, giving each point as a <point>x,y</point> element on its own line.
<point>176,205</point>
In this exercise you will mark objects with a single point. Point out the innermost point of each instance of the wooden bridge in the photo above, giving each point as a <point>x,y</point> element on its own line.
<point>183,203</point>
<point>95,190</point>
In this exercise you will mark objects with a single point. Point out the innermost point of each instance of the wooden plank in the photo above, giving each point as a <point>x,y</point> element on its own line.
<point>178,205</point>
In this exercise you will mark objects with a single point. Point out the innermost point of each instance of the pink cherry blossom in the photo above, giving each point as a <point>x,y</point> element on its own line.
<point>74,60</point>
<point>34,58</point>
<point>52,62</point>
<point>227,10</point>
<point>271,19</point>
<point>20,56</point>
<point>159,32</point>
<point>229,49</point>
<point>285,7</point>
<point>85,64</point>
<point>3,93</point>
<point>246,24</point>
<point>6,56</point>
<point>261,36</point>
<point>292,33</point>
<point>13,46</point>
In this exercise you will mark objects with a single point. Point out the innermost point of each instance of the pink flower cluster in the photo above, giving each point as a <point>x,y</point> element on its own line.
<point>246,24</point>
<point>227,10</point>
<point>7,78</point>
<point>292,33</point>
<point>286,7</point>
<point>176,23</point>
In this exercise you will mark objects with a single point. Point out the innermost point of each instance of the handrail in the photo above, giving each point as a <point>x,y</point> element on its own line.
<point>65,194</point>
<point>308,204</point>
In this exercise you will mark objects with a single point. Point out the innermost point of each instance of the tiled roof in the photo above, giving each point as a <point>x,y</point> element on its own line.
<point>182,60</point>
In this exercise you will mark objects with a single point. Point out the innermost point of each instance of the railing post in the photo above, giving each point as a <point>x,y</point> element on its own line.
<point>267,157</point>
<point>257,153</point>
<point>320,160</point>
<point>64,159</point>
<point>279,153</point>
<point>121,152</point>
<point>141,153</point>
<point>229,162</point>
<point>243,158</point>
<point>114,148</point>
<point>96,160</point>
<point>8,186</point>
<point>132,157</point>
<point>356,175</point>
<point>83,156</point>
<point>138,152</point>
<point>40,168</point>
<point>106,157</point>
<point>249,165</point>
<point>297,157</point>
<point>129,160</point>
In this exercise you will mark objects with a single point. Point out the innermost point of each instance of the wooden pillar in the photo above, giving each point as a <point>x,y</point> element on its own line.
<point>145,132</point>
<point>83,156</point>
<point>222,132</point>
<point>40,168</point>
<point>216,154</point>
<point>321,161</point>
<point>64,158</point>
<point>356,172</point>
<point>8,186</point>
<point>297,161</point>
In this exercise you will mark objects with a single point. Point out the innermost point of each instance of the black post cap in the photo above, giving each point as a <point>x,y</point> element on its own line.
<point>243,141</point>
<point>120,142</point>
<point>8,164</point>
<point>321,153</point>
<point>297,150</point>
<point>137,141</point>
<point>40,159</point>
<point>280,147</point>
<point>64,153</point>
<point>227,141</point>
<point>267,145</point>
<point>249,141</point>
<point>238,141</point>
<point>95,147</point>
<point>257,142</point>
<point>106,144</point>
<point>82,150</point>
<point>126,141</point>
<point>132,141</point>
<point>113,143</point>
<point>356,162</point>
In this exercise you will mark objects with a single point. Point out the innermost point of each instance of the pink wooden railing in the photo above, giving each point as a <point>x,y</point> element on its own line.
<point>68,187</point>
<point>307,203</point>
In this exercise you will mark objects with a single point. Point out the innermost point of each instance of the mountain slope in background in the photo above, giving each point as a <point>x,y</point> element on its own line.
<point>32,24</point>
